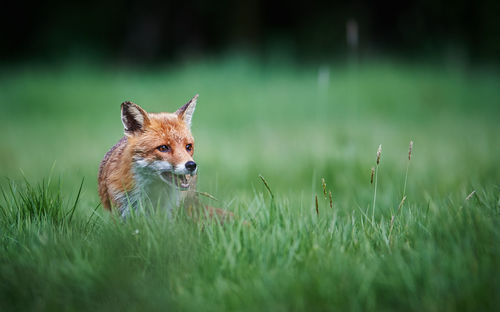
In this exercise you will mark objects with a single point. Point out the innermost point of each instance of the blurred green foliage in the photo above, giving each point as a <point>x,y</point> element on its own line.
<point>285,122</point>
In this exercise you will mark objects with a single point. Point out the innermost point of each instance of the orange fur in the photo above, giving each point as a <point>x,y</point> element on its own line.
<point>144,134</point>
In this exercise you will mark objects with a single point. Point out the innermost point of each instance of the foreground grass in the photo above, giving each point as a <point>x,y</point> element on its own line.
<point>440,251</point>
<point>442,256</point>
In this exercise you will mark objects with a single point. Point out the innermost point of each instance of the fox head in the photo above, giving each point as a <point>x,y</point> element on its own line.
<point>161,143</point>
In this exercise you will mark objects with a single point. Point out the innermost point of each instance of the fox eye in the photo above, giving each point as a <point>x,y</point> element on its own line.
<point>163,148</point>
<point>189,147</point>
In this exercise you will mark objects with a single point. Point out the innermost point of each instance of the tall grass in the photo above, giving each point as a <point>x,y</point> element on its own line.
<point>379,153</point>
<point>36,203</point>
<point>443,257</point>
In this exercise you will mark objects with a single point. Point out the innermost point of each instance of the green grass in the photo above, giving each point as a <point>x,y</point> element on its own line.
<point>60,251</point>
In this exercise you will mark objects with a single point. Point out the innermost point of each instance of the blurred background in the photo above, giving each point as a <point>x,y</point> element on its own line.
<point>141,32</point>
<point>292,91</point>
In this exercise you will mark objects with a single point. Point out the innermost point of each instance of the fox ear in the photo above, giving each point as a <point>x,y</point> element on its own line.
<point>134,118</point>
<point>187,110</point>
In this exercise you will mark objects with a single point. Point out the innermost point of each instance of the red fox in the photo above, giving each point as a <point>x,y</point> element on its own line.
<point>152,163</point>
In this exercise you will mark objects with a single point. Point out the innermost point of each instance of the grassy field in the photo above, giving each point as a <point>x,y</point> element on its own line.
<point>437,251</point>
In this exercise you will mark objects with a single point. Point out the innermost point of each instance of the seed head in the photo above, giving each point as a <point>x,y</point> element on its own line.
<point>324,186</point>
<point>401,203</point>
<point>331,199</point>
<point>316,199</point>
<point>379,152</point>
<point>409,150</point>
<point>371,177</point>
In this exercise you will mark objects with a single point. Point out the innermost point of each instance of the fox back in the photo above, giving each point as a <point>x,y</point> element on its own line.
<point>152,163</point>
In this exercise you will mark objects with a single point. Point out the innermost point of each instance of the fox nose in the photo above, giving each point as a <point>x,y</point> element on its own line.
<point>190,165</point>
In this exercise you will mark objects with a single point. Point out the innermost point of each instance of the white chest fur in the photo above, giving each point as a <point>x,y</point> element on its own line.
<point>149,192</point>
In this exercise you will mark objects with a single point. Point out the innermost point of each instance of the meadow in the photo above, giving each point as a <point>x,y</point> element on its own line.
<point>438,250</point>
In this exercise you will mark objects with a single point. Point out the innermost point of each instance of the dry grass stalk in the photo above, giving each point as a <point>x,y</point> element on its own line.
<point>401,204</point>
<point>407,167</point>
<point>470,195</point>
<point>394,217</point>
<point>331,199</point>
<point>323,183</point>
<point>371,177</point>
<point>409,150</point>
<point>267,186</point>
<point>379,153</point>
<point>207,195</point>
<point>317,209</point>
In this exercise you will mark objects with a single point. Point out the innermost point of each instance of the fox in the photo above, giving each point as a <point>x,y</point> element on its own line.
<point>152,163</point>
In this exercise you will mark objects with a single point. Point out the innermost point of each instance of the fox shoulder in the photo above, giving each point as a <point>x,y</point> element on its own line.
<point>106,169</point>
